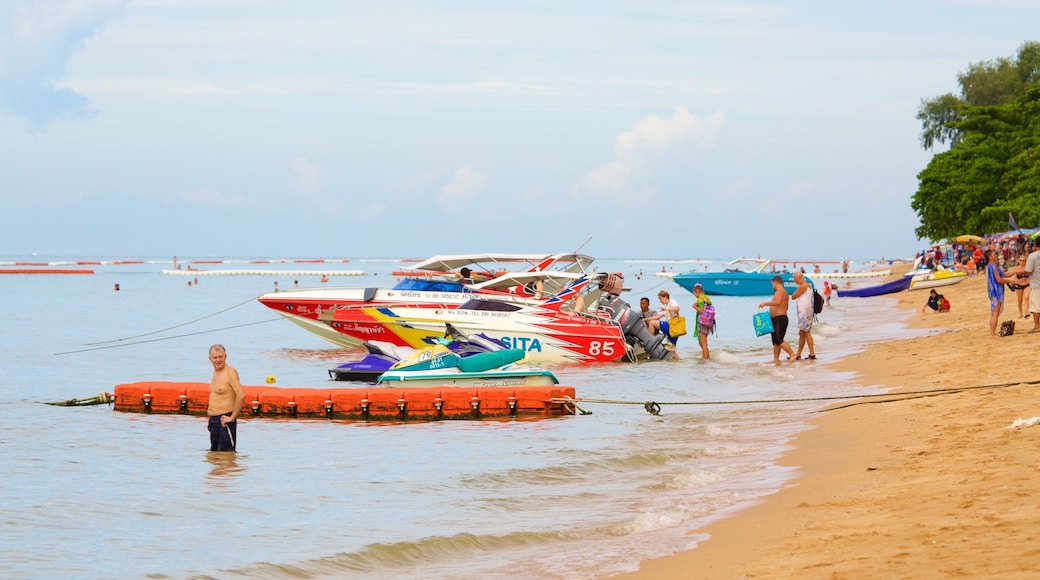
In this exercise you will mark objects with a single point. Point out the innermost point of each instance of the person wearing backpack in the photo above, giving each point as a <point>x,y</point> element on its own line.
<point>705,318</point>
<point>804,300</point>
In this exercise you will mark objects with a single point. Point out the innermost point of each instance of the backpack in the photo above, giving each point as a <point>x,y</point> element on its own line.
<point>706,318</point>
<point>817,302</point>
<point>1007,328</point>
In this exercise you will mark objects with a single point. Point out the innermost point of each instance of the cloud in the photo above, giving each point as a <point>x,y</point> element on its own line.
<point>37,38</point>
<point>650,142</point>
<point>306,176</point>
<point>465,184</point>
<point>205,196</point>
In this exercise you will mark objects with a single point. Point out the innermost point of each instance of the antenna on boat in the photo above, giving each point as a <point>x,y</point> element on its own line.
<point>578,249</point>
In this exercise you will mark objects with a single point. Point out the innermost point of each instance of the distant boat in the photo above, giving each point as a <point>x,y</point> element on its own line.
<point>897,285</point>
<point>744,277</point>
<point>850,275</point>
<point>925,279</point>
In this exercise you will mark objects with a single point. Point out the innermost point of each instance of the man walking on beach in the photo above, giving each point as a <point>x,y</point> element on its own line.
<point>803,301</point>
<point>778,313</point>
<point>226,396</point>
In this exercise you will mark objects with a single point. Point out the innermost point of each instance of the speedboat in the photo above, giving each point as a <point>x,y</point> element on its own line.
<point>578,324</point>
<point>744,277</point>
<point>438,366</point>
<point>437,285</point>
<point>921,280</point>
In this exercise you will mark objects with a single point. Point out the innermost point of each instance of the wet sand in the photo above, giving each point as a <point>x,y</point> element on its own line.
<point>906,486</point>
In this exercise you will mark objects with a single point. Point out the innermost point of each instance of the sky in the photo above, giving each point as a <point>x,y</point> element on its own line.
<point>324,128</point>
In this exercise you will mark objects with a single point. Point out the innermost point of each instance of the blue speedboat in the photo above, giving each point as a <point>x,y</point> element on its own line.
<point>744,277</point>
<point>898,285</point>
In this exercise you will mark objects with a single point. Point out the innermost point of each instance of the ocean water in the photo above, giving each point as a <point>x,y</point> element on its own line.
<point>92,493</point>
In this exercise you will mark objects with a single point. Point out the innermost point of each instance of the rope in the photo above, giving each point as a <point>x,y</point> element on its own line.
<point>166,338</point>
<point>102,399</point>
<point>654,407</point>
<point>248,300</point>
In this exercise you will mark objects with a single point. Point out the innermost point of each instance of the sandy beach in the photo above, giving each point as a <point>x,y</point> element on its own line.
<point>904,486</point>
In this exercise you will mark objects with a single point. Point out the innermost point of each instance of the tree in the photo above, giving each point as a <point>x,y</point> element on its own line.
<point>993,82</point>
<point>993,168</point>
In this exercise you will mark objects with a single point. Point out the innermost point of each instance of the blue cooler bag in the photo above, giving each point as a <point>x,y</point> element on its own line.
<point>763,323</point>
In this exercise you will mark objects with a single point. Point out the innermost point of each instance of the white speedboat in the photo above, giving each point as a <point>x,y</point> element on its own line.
<point>925,279</point>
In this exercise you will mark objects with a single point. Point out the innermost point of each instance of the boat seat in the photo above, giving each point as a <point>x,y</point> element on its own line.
<point>485,361</point>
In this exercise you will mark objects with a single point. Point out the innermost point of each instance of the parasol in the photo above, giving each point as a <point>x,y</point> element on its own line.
<point>968,239</point>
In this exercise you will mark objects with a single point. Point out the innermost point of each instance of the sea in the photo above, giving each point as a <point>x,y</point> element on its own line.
<point>89,492</point>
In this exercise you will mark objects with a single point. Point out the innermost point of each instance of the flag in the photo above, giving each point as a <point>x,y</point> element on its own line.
<point>1011,221</point>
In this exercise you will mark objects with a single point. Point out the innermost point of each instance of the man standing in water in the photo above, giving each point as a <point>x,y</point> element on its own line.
<point>225,401</point>
<point>778,314</point>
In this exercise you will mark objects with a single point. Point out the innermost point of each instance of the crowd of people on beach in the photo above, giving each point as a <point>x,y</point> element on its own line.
<point>1011,263</point>
<point>662,321</point>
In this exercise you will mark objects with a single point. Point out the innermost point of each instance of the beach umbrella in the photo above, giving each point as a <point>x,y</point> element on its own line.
<point>968,238</point>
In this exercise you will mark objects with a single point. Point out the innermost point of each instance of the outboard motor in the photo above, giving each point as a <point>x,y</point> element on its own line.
<point>632,326</point>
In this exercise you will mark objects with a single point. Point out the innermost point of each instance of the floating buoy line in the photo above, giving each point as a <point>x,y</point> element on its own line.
<point>428,403</point>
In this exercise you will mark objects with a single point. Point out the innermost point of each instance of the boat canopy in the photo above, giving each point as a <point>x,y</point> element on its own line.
<point>493,262</point>
<point>749,264</point>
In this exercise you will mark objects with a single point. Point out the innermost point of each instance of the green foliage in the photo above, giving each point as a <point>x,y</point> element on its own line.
<point>992,168</point>
<point>995,82</point>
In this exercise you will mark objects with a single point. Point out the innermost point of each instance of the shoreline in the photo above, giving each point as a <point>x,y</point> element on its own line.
<point>927,485</point>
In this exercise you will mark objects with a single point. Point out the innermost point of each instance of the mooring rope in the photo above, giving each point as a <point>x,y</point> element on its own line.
<point>168,328</point>
<point>654,407</point>
<point>121,344</point>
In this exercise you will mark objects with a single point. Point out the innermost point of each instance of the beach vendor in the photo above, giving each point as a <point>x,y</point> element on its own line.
<point>226,396</point>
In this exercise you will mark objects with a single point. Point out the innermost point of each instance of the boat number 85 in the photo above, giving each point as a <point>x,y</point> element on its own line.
<point>605,348</point>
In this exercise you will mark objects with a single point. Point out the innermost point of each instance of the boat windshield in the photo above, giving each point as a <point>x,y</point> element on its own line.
<point>478,304</point>
<point>428,285</point>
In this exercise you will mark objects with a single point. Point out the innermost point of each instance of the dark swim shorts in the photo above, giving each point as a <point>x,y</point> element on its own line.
<point>222,438</point>
<point>779,329</point>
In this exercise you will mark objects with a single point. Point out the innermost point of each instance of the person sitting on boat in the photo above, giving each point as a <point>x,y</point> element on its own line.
<point>534,288</point>
<point>465,276</point>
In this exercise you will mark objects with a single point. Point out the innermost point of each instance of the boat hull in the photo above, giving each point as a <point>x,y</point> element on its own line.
<point>734,283</point>
<point>552,337</point>
<point>936,279</point>
<point>897,285</point>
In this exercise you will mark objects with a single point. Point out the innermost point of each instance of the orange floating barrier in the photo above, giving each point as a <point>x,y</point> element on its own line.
<point>359,404</point>
<point>43,271</point>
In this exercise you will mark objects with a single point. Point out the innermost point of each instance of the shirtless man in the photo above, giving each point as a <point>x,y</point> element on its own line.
<point>225,401</point>
<point>778,314</point>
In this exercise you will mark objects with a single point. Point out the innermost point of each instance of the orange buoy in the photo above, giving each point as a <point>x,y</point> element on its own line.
<point>360,403</point>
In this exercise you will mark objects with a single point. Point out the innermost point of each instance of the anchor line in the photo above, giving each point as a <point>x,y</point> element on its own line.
<point>121,344</point>
<point>211,315</point>
<point>654,407</point>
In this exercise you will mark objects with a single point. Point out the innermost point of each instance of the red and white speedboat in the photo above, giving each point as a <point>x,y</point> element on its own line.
<point>441,287</point>
<point>548,330</point>
<point>505,307</point>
